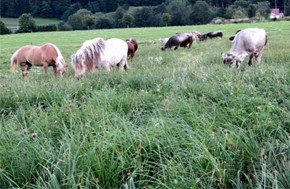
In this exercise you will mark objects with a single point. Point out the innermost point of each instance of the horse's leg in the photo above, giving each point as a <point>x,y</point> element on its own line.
<point>25,69</point>
<point>55,70</point>
<point>45,66</point>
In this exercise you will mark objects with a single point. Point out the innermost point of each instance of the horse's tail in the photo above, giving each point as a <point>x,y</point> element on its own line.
<point>13,62</point>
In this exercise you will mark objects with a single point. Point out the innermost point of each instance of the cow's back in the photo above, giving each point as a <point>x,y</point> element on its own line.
<point>251,39</point>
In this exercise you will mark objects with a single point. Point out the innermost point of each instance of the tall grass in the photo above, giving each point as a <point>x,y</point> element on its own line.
<point>176,119</point>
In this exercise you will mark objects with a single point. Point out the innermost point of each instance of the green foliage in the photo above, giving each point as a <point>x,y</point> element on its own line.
<point>51,27</point>
<point>166,18</point>
<point>26,23</point>
<point>175,119</point>
<point>75,21</point>
<point>128,20</point>
<point>263,8</point>
<point>179,11</point>
<point>89,21</point>
<point>4,29</point>
<point>201,13</point>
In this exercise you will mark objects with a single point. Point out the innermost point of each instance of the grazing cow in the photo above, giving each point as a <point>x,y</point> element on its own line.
<point>132,47</point>
<point>232,37</point>
<point>163,41</point>
<point>179,40</point>
<point>202,37</point>
<point>215,34</point>
<point>250,42</point>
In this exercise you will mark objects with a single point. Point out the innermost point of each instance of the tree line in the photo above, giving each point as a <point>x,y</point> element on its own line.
<point>91,14</point>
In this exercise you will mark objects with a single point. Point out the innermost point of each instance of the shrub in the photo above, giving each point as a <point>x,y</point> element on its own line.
<point>26,24</point>
<point>63,26</point>
<point>50,27</point>
<point>4,29</point>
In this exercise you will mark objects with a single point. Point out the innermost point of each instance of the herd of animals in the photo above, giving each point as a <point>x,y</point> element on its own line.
<point>100,53</point>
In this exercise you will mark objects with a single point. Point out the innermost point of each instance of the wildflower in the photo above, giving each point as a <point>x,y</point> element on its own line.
<point>34,135</point>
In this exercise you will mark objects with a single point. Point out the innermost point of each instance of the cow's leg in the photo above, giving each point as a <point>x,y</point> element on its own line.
<point>106,66</point>
<point>258,56</point>
<point>251,59</point>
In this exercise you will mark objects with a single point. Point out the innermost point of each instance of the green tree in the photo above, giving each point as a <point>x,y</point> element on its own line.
<point>180,12</point>
<point>103,22</point>
<point>143,17</point>
<point>4,29</point>
<point>201,13</point>
<point>252,11</point>
<point>88,21</point>
<point>75,21</point>
<point>287,7</point>
<point>26,23</point>
<point>263,8</point>
<point>127,20</point>
<point>166,18</point>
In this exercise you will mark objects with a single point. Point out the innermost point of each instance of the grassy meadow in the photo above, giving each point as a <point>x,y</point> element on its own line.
<point>177,119</point>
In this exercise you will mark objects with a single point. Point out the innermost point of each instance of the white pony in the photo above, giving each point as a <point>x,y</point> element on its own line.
<point>100,53</point>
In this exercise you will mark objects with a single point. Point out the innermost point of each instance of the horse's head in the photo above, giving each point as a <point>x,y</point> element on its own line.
<point>78,65</point>
<point>60,66</point>
<point>231,60</point>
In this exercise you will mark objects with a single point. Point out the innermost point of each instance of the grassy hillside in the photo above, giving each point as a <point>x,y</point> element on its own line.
<point>176,119</point>
<point>12,23</point>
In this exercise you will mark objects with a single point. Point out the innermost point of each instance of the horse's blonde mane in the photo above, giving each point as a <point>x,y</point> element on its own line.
<point>90,51</point>
<point>59,60</point>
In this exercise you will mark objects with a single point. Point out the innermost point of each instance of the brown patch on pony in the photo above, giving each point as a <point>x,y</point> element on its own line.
<point>132,47</point>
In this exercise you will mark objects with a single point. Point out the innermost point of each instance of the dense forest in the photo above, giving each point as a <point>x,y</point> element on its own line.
<point>89,14</point>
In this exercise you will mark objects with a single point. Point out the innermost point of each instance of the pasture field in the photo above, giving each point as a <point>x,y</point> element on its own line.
<point>177,119</point>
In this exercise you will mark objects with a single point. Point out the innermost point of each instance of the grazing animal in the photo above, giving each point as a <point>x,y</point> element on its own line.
<point>202,37</point>
<point>178,40</point>
<point>45,55</point>
<point>132,47</point>
<point>215,34</point>
<point>163,41</point>
<point>232,37</point>
<point>250,42</point>
<point>100,53</point>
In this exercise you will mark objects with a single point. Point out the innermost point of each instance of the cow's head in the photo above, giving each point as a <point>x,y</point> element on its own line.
<point>232,60</point>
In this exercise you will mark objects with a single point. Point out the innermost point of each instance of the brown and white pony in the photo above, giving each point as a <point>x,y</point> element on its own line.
<point>132,47</point>
<point>46,55</point>
<point>100,53</point>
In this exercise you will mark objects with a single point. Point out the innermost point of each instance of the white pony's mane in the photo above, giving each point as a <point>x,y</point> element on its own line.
<point>90,51</point>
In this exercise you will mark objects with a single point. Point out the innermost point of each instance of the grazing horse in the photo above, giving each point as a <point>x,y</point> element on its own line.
<point>100,53</point>
<point>179,40</point>
<point>46,55</point>
<point>132,47</point>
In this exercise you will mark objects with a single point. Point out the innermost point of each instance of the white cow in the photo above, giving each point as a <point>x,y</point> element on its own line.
<point>250,42</point>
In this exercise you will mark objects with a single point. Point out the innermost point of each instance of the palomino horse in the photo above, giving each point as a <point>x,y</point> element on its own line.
<point>100,53</point>
<point>46,55</point>
<point>132,47</point>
